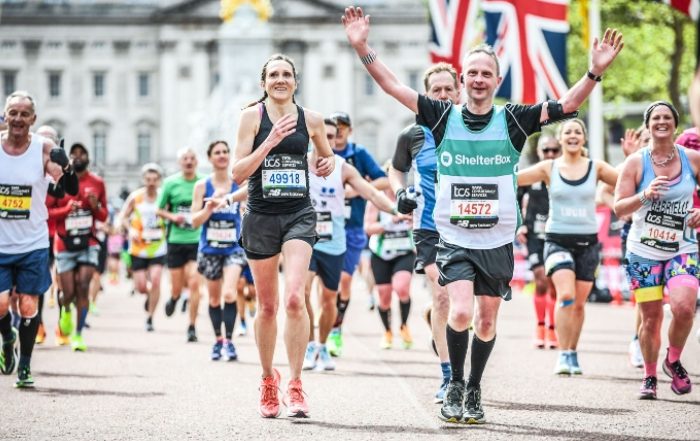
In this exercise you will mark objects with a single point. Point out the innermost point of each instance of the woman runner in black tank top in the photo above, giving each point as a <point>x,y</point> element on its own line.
<point>271,152</point>
<point>285,164</point>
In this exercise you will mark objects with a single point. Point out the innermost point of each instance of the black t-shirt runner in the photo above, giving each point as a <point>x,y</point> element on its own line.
<point>537,208</point>
<point>281,183</point>
<point>522,120</point>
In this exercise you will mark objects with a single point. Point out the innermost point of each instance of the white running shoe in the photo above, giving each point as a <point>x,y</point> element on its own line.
<point>310,356</point>
<point>325,361</point>
<point>635,354</point>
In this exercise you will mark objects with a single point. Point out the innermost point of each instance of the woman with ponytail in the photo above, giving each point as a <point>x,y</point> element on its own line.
<point>271,153</point>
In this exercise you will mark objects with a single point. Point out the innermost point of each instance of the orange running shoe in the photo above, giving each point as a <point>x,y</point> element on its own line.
<point>40,334</point>
<point>269,400</point>
<point>552,341</point>
<point>297,407</point>
<point>539,336</point>
<point>61,340</point>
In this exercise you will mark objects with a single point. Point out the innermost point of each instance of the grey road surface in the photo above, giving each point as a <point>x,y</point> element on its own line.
<point>133,385</point>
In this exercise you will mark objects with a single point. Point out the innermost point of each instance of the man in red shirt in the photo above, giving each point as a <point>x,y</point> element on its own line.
<point>75,245</point>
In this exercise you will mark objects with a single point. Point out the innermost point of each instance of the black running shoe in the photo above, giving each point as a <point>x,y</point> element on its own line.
<point>149,325</point>
<point>191,335</point>
<point>8,355</point>
<point>184,306</point>
<point>170,306</point>
<point>24,378</point>
<point>473,413</point>
<point>453,404</point>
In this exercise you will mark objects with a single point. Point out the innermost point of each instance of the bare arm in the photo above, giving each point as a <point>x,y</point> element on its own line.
<point>366,190</point>
<point>627,200</point>
<point>535,173</point>
<point>247,160</point>
<point>323,153</point>
<point>125,213</point>
<point>606,173</point>
<point>357,30</point>
<point>372,224</point>
<point>201,211</point>
<point>602,55</point>
<point>397,179</point>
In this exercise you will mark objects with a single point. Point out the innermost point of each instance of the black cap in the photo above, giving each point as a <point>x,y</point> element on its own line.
<point>342,118</point>
<point>76,146</point>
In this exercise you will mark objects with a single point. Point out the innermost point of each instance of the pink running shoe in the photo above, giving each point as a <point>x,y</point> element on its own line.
<point>269,400</point>
<point>648,389</point>
<point>295,401</point>
<point>680,383</point>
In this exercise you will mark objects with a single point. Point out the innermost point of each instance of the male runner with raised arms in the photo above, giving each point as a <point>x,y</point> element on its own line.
<point>476,212</point>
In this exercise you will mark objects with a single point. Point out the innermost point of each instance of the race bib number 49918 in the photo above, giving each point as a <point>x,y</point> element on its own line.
<point>474,206</point>
<point>284,176</point>
<point>15,201</point>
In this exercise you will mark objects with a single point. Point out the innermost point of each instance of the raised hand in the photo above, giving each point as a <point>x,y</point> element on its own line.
<point>356,25</point>
<point>630,143</point>
<point>284,127</point>
<point>604,52</point>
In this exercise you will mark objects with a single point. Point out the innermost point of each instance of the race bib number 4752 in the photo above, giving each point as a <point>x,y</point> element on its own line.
<point>474,205</point>
<point>15,201</point>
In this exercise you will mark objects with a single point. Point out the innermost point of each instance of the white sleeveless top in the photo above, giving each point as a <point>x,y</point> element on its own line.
<point>328,199</point>
<point>23,212</point>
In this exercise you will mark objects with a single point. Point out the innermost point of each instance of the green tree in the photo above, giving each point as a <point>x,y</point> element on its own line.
<point>658,61</point>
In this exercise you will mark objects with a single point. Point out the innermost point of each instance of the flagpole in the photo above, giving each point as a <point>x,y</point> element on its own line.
<point>596,132</point>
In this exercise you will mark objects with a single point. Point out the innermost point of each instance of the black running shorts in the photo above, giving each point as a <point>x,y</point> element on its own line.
<point>579,253</point>
<point>535,251</point>
<point>384,270</point>
<point>181,253</point>
<point>491,270</point>
<point>426,248</point>
<point>262,235</point>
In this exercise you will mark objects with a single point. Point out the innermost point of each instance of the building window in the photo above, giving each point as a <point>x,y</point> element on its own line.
<point>98,85</point>
<point>370,87</point>
<point>144,85</point>
<point>99,141</point>
<point>143,143</point>
<point>9,82</point>
<point>54,84</point>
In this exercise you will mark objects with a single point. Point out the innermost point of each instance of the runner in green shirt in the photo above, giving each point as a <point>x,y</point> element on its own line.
<point>174,205</point>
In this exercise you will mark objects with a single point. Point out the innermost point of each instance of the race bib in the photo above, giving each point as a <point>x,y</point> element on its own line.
<point>662,231</point>
<point>284,176</point>
<point>152,230</point>
<point>474,206</point>
<point>397,242</point>
<point>324,225</point>
<point>221,233</point>
<point>15,201</point>
<point>539,225</point>
<point>186,211</point>
<point>152,234</point>
<point>77,222</point>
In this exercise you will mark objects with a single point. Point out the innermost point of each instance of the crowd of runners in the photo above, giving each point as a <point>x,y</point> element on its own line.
<point>295,199</point>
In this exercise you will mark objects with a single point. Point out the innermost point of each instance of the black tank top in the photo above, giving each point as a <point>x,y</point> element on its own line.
<point>281,183</point>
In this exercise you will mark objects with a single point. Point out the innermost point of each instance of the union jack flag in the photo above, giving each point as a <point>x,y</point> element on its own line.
<point>453,29</point>
<point>529,37</point>
<point>691,8</point>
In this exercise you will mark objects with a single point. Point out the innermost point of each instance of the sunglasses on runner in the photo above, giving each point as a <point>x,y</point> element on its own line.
<point>548,150</point>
